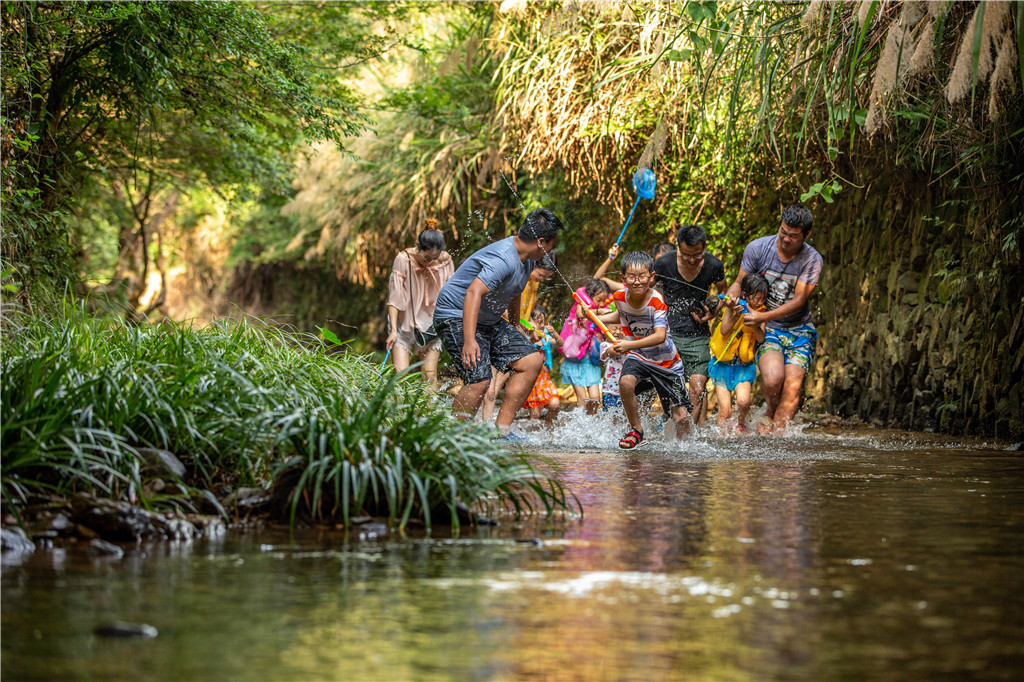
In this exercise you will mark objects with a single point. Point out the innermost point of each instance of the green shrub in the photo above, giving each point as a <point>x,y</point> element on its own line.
<point>238,403</point>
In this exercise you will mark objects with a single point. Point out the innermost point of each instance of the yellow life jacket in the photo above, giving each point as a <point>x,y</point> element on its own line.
<point>741,342</point>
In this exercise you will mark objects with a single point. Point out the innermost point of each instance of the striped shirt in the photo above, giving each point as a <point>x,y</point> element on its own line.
<point>638,323</point>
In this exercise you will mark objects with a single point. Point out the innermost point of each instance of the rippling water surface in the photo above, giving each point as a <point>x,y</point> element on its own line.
<point>828,554</point>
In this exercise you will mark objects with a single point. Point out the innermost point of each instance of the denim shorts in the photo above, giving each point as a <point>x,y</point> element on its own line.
<point>796,345</point>
<point>501,344</point>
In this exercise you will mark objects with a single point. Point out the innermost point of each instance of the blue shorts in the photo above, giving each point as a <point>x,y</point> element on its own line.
<point>732,374</point>
<point>796,345</point>
<point>501,344</point>
<point>580,372</point>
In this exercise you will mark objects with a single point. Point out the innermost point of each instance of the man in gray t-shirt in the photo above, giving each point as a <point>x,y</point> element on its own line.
<point>792,268</point>
<point>468,317</point>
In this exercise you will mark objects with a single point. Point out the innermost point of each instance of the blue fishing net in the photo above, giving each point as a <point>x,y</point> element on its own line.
<point>644,182</point>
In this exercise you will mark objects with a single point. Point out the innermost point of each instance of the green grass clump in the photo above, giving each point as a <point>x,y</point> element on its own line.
<point>241,404</point>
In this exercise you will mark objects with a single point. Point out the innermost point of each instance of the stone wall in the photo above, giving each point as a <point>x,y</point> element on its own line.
<point>920,311</point>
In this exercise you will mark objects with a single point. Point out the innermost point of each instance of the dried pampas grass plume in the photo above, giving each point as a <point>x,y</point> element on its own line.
<point>515,7</point>
<point>937,8</point>
<point>924,52</point>
<point>1002,74</point>
<point>995,13</point>
<point>865,9</point>
<point>813,9</point>
<point>895,63</point>
<point>655,146</point>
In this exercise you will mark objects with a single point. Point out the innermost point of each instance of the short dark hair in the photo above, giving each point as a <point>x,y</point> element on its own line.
<point>431,240</point>
<point>754,283</point>
<point>636,259</point>
<point>798,216</point>
<point>549,262</point>
<point>661,248</point>
<point>594,286</point>
<point>691,235</point>
<point>539,310</point>
<point>540,224</point>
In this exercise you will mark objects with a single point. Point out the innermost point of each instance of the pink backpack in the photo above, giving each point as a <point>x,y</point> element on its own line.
<point>576,337</point>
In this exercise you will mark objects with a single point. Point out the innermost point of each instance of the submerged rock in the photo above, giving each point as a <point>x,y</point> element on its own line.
<point>119,629</point>
<point>105,549</point>
<point>15,540</point>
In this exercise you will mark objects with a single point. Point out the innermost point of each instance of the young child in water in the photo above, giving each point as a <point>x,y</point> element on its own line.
<point>651,359</point>
<point>578,333</point>
<point>610,398</point>
<point>734,348</point>
<point>544,393</point>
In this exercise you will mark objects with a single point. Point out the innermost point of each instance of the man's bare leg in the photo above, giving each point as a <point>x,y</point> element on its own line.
<point>520,383</point>
<point>468,400</point>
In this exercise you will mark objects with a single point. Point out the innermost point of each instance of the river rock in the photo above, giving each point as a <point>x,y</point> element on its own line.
<point>247,498</point>
<point>161,462</point>
<point>15,540</point>
<point>119,629</point>
<point>106,549</point>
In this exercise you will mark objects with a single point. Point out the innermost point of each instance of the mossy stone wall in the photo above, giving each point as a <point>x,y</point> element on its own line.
<point>919,311</point>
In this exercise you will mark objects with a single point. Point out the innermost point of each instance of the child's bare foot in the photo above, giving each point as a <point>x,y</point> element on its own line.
<point>766,427</point>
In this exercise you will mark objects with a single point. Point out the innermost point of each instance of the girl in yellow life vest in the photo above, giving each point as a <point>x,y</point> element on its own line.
<point>733,348</point>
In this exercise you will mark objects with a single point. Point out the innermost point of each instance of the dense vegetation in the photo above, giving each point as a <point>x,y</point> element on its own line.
<point>150,149</point>
<point>84,398</point>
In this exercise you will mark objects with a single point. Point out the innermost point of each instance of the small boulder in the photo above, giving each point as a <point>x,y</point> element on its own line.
<point>119,629</point>
<point>15,540</point>
<point>105,549</point>
<point>161,462</point>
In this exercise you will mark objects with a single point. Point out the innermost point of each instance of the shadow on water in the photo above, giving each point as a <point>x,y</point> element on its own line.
<point>831,553</point>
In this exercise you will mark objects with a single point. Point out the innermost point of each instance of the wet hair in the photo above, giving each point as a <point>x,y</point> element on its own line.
<point>798,216</point>
<point>430,239</point>
<point>540,224</point>
<point>754,283</point>
<point>661,248</point>
<point>636,259</point>
<point>595,285</point>
<point>691,235</point>
<point>549,262</point>
<point>539,310</point>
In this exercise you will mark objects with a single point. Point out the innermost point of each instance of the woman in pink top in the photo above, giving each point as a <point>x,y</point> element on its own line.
<point>416,279</point>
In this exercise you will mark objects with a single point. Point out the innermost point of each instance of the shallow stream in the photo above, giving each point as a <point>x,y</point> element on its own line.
<point>831,554</point>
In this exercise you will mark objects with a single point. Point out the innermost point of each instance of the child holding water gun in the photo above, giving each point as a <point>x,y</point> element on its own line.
<point>733,349</point>
<point>578,368</point>
<point>651,360</point>
<point>544,393</point>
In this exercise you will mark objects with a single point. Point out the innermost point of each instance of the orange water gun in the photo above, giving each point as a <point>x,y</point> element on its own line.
<point>593,316</point>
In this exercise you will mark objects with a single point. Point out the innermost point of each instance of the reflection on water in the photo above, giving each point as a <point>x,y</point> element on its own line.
<point>829,554</point>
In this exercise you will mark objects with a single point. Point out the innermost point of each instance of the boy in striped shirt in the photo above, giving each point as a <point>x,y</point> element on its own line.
<point>651,360</point>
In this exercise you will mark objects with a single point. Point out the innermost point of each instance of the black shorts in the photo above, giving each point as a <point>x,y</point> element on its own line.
<point>500,344</point>
<point>671,387</point>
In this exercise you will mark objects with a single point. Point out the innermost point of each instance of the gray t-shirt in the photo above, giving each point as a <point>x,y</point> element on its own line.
<point>498,266</point>
<point>761,256</point>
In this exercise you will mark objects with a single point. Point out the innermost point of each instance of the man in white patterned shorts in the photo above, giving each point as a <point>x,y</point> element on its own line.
<point>792,268</point>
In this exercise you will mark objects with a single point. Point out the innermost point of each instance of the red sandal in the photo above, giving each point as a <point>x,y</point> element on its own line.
<point>632,439</point>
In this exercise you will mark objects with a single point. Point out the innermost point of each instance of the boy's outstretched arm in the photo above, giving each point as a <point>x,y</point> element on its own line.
<point>602,270</point>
